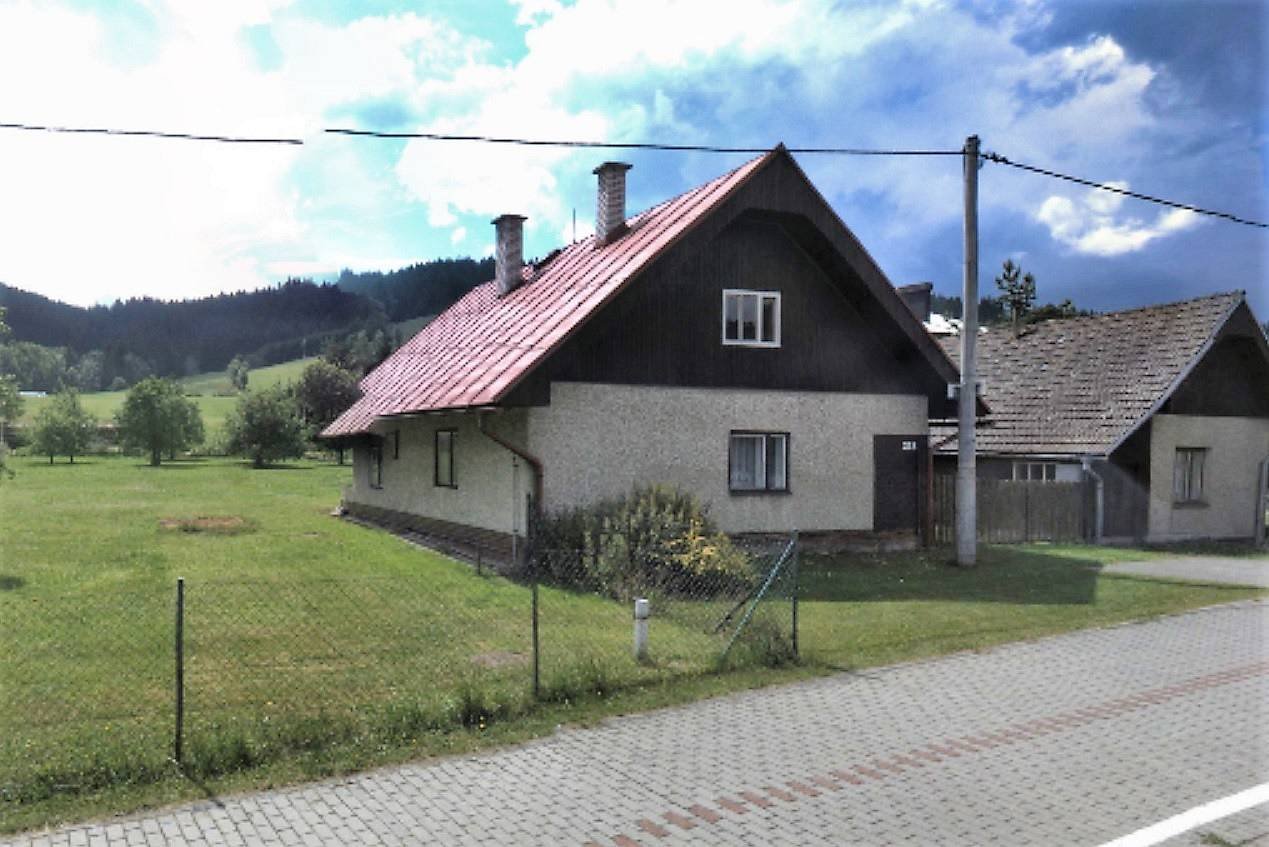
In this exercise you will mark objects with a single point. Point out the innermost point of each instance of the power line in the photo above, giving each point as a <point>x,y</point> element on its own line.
<point>1002,160</point>
<point>635,145</point>
<point>150,133</point>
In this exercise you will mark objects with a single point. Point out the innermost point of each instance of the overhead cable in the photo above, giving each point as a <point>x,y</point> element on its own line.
<point>1002,160</point>
<point>635,145</point>
<point>150,133</point>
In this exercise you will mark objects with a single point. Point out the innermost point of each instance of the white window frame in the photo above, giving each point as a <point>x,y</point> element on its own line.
<point>761,471</point>
<point>1034,471</point>
<point>759,297</point>
<point>1188,470</point>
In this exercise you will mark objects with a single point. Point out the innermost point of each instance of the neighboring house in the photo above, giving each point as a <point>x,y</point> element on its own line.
<point>736,342</point>
<point>1167,406</point>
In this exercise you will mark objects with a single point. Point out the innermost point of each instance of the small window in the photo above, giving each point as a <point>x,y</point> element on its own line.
<point>1187,475</point>
<point>445,458</point>
<point>396,443</point>
<point>1035,471</point>
<point>758,461</point>
<point>376,463</point>
<point>751,318</point>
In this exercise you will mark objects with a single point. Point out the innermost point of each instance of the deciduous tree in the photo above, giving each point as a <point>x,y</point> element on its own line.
<point>157,418</point>
<point>265,427</point>
<point>63,427</point>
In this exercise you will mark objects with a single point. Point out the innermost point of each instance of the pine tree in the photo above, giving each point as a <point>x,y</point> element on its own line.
<point>1017,293</point>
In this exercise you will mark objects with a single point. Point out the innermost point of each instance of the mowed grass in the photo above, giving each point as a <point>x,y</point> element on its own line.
<point>315,646</point>
<point>213,393</point>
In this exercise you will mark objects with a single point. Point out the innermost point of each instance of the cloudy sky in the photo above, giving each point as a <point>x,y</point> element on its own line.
<point>1165,97</point>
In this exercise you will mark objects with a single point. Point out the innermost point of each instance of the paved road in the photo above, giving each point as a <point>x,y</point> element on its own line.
<point>1221,570</point>
<point>1073,740</point>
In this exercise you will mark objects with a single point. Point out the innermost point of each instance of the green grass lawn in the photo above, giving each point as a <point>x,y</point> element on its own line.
<point>314,646</point>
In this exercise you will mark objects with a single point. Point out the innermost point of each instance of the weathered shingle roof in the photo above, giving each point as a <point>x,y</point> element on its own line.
<point>483,345</point>
<point>1077,386</point>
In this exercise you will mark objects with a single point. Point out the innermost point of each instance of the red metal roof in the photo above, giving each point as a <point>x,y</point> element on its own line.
<point>478,349</point>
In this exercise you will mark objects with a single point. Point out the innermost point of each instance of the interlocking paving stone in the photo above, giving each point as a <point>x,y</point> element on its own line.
<point>1077,739</point>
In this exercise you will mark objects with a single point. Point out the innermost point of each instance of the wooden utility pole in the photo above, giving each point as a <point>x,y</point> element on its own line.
<point>966,467</point>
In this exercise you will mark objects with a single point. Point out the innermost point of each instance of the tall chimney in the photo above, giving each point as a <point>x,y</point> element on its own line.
<point>610,208</point>
<point>508,252</point>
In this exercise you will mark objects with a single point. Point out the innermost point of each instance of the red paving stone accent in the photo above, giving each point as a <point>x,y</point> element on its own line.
<point>757,799</point>
<point>869,772</point>
<point>846,776</point>
<point>679,821</point>
<point>779,793</point>
<point>652,828</point>
<point>950,747</point>
<point>803,788</point>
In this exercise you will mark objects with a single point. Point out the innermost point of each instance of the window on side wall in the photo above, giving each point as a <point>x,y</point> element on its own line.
<point>376,463</point>
<point>396,443</point>
<point>1035,471</point>
<point>1187,475</point>
<point>758,462</point>
<point>445,459</point>
<point>751,318</point>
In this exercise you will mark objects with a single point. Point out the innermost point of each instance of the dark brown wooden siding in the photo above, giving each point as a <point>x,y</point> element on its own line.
<point>1232,379</point>
<point>666,327</point>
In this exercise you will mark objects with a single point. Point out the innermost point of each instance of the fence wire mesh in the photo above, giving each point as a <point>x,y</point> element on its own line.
<point>298,663</point>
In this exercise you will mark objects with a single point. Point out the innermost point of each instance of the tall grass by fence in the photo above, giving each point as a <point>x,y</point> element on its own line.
<point>89,685</point>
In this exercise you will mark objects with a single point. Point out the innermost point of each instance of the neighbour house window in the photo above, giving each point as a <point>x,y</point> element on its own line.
<point>758,461</point>
<point>376,462</point>
<point>1187,475</point>
<point>445,458</point>
<point>751,318</point>
<point>1043,471</point>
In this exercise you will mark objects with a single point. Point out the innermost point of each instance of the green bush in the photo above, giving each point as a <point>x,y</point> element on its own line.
<point>654,541</point>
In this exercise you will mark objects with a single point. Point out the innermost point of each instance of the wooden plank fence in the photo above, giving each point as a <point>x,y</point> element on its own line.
<point>1014,511</point>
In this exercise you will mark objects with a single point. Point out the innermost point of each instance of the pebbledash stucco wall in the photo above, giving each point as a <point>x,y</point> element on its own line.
<point>1231,475</point>
<point>491,484</point>
<point>599,440</point>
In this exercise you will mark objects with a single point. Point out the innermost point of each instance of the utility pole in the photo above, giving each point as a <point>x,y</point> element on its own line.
<point>966,466</point>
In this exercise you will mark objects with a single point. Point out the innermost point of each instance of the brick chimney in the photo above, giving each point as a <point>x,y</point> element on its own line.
<point>508,252</point>
<point>610,206</point>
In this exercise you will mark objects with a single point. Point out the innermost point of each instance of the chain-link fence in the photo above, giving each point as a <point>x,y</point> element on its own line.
<point>103,687</point>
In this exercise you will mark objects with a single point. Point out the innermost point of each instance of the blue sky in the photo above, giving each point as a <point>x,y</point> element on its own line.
<point>1166,98</point>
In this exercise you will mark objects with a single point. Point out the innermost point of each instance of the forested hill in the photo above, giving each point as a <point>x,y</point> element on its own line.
<point>188,336</point>
<point>423,289</point>
<point>130,339</point>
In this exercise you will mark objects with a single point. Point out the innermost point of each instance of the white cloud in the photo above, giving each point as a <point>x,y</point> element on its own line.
<point>1090,224</point>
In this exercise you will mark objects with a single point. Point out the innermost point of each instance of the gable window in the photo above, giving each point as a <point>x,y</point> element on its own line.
<point>1035,471</point>
<point>1187,475</point>
<point>375,469</point>
<point>751,318</point>
<point>445,458</point>
<point>758,461</point>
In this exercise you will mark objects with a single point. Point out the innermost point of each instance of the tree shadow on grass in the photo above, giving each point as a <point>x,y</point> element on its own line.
<point>1002,575</point>
<point>11,583</point>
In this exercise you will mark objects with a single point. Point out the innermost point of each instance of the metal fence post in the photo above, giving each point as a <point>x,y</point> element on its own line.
<point>536,651</point>
<point>797,558</point>
<point>180,668</point>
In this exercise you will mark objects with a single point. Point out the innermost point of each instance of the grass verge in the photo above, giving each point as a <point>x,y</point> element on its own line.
<point>316,647</point>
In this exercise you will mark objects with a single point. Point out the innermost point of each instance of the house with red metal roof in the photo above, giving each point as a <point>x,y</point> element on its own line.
<point>736,342</point>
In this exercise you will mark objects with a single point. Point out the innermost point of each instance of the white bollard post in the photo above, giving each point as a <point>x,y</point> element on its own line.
<point>642,611</point>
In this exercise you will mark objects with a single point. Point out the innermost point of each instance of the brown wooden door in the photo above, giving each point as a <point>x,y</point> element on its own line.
<point>898,470</point>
